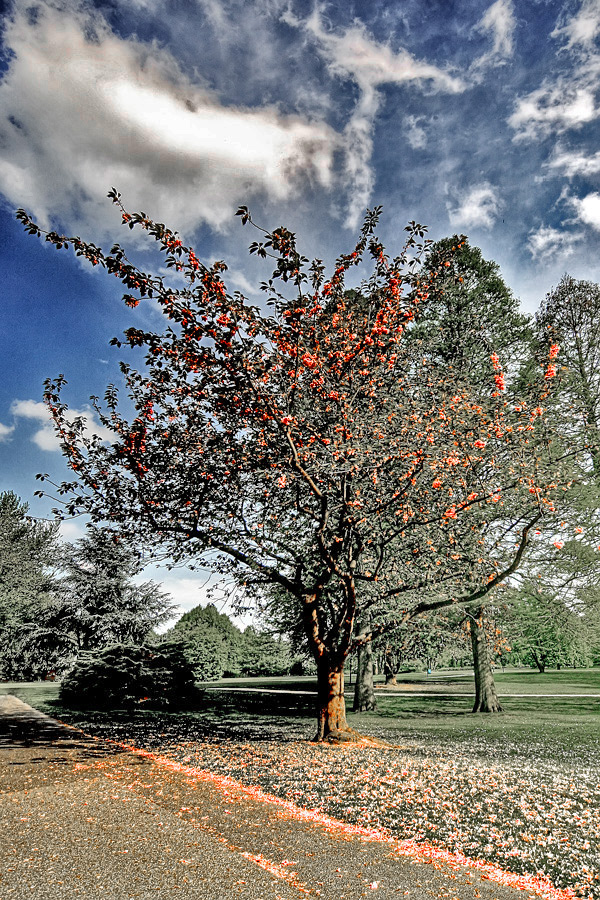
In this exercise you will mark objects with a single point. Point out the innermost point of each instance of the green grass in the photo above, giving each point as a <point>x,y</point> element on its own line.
<point>36,693</point>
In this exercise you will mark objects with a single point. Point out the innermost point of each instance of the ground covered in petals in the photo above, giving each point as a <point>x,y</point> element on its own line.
<point>525,797</point>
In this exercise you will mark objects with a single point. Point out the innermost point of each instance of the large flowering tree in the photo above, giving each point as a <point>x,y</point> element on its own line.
<point>318,448</point>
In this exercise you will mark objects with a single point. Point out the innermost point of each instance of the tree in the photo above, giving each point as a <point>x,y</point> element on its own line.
<point>473,313</point>
<point>262,653</point>
<point>27,554</point>
<point>99,603</point>
<point>561,575</point>
<point>317,448</point>
<point>364,689</point>
<point>125,675</point>
<point>213,643</point>
<point>570,318</point>
<point>544,631</point>
<point>473,319</point>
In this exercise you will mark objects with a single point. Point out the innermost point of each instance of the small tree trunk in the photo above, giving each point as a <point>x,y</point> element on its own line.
<point>486,698</point>
<point>389,665</point>
<point>364,691</point>
<point>539,661</point>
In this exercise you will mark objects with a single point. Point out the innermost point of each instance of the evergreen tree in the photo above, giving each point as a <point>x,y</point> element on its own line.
<point>99,602</point>
<point>212,642</point>
<point>28,553</point>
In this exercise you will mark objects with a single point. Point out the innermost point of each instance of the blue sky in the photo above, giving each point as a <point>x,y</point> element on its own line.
<point>471,117</point>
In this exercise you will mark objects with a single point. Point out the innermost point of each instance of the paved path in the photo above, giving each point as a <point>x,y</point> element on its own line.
<point>81,818</point>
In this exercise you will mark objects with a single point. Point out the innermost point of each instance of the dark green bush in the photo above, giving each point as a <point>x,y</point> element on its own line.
<point>123,675</point>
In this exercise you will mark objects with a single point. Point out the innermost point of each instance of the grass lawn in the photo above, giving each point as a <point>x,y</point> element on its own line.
<point>519,789</point>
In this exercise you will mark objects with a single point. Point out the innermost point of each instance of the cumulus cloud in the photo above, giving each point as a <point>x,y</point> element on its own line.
<point>588,209</point>
<point>499,21</point>
<point>82,109</point>
<point>45,437</point>
<point>581,29</point>
<point>547,242</point>
<point>479,206</point>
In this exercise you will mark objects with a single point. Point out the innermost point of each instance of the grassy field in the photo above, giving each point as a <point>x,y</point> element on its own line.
<point>519,789</point>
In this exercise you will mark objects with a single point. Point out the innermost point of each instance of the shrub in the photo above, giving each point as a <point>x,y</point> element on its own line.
<point>123,675</point>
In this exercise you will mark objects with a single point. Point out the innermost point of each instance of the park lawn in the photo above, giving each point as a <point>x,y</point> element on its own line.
<point>36,693</point>
<point>519,789</point>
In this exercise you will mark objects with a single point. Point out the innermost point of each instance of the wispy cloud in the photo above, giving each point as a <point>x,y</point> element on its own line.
<point>45,436</point>
<point>499,21</point>
<point>547,242</point>
<point>128,115</point>
<point>5,432</point>
<point>581,29</point>
<point>574,162</point>
<point>477,207</point>
<point>568,103</point>
<point>352,54</point>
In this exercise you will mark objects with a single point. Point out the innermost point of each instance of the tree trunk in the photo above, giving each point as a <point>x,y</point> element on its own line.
<point>486,698</point>
<point>332,725</point>
<point>364,691</point>
<point>389,665</point>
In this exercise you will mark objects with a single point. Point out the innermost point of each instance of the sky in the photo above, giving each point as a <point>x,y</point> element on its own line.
<point>468,117</point>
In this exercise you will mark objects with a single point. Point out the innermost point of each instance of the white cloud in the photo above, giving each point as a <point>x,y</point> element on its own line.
<point>239,280</point>
<point>478,207</point>
<point>499,21</point>
<point>45,437</point>
<point>79,115</point>
<point>588,209</point>
<point>567,104</point>
<point>582,28</point>
<point>192,589</point>
<point>5,432</point>
<point>415,133</point>
<point>352,54</point>
<point>574,162</point>
<point>549,242</point>
<point>71,530</point>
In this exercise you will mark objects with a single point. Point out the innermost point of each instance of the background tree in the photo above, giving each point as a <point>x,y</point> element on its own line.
<point>565,566</point>
<point>213,642</point>
<point>262,653</point>
<point>99,603</point>
<point>473,320</point>
<point>126,675</point>
<point>28,550</point>
<point>570,317</point>
<point>316,448</point>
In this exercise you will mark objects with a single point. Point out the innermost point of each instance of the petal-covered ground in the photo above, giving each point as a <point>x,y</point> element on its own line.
<point>526,806</point>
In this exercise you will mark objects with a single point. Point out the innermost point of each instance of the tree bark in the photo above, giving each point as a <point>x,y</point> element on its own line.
<point>486,698</point>
<point>389,665</point>
<point>331,715</point>
<point>364,691</point>
<point>540,663</point>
